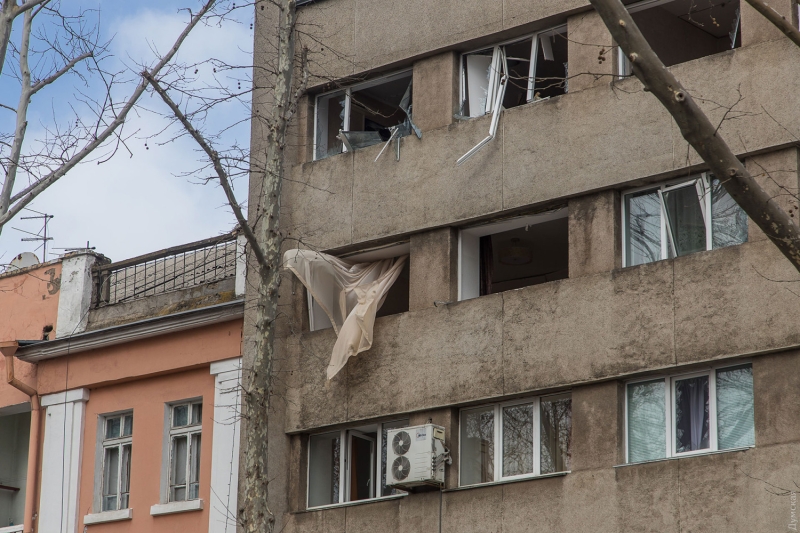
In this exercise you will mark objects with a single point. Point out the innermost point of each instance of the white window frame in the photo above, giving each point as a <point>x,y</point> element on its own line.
<point>469,247</point>
<point>189,431</point>
<point>110,443</point>
<point>345,436</point>
<point>669,409</point>
<point>348,92</point>
<point>498,437</point>
<point>702,183</point>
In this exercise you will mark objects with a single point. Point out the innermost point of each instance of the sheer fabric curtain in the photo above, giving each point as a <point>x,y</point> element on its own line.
<point>349,293</point>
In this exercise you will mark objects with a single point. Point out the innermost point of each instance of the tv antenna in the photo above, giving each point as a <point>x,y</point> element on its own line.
<point>41,235</point>
<point>86,248</point>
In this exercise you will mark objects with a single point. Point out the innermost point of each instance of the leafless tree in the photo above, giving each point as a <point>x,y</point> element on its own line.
<point>54,42</point>
<point>699,132</point>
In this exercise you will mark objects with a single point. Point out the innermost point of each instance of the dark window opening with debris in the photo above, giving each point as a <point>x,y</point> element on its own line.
<point>515,73</point>
<point>683,30</point>
<point>513,254</point>
<point>363,115</point>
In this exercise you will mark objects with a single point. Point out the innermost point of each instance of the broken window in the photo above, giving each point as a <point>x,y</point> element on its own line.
<point>511,74</point>
<point>14,440</point>
<point>344,466</point>
<point>682,30</point>
<point>680,218</point>
<point>500,441</point>
<point>513,254</point>
<point>701,412</point>
<point>364,115</point>
<point>116,480</point>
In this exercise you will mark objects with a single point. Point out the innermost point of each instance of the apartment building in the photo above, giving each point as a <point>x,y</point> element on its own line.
<point>606,339</point>
<point>119,411</point>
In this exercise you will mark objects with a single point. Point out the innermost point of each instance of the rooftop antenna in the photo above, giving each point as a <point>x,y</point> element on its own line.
<point>86,248</point>
<point>42,235</point>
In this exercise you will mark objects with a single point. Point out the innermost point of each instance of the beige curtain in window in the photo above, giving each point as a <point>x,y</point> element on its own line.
<point>349,293</point>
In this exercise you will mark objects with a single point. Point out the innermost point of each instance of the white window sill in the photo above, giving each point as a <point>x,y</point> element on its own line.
<point>357,502</point>
<point>506,481</point>
<point>176,507</point>
<point>687,455</point>
<point>12,529</point>
<point>106,516</point>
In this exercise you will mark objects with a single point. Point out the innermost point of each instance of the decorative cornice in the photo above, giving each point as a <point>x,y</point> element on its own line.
<point>133,331</point>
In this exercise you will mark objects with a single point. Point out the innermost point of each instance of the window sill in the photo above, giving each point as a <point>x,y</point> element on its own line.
<point>686,456</point>
<point>176,507</point>
<point>507,481</point>
<point>106,516</point>
<point>12,529</point>
<point>351,504</point>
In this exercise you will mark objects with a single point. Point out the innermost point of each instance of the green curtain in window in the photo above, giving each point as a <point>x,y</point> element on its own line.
<point>735,407</point>
<point>646,421</point>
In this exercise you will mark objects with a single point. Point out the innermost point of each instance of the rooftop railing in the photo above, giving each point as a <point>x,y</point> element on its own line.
<point>172,269</point>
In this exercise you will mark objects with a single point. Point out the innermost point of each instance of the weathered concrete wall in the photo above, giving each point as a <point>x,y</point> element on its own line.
<point>702,307</point>
<point>592,139</point>
<point>595,239</point>
<point>434,268</point>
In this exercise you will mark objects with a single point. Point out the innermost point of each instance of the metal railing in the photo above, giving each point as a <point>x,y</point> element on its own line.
<point>172,269</point>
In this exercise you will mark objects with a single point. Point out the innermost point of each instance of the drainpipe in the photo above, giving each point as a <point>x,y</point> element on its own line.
<point>8,349</point>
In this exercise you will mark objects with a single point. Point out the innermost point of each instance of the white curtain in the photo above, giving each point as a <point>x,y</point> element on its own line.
<point>349,293</point>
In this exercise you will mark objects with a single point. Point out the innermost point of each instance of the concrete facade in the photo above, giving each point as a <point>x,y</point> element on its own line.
<point>588,334</point>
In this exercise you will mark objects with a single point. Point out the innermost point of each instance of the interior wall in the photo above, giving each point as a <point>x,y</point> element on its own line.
<point>675,40</point>
<point>14,435</point>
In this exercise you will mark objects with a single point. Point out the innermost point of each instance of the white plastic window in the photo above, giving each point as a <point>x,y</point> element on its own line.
<point>349,465</point>
<point>690,414</point>
<point>184,465</point>
<point>117,443</point>
<point>680,218</point>
<point>517,439</point>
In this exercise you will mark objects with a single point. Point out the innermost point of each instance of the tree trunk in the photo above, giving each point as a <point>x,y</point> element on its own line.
<point>698,131</point>
<point>255,514</point>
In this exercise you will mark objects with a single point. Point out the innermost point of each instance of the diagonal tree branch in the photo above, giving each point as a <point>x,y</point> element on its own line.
<point>699,132</point>
<point>777,19</point>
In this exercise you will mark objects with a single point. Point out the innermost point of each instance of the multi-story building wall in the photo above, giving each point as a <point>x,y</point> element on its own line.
<point>123,414</point>
<point>608,342</point>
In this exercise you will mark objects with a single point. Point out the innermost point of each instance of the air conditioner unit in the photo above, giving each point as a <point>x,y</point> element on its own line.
<point>415,456</point>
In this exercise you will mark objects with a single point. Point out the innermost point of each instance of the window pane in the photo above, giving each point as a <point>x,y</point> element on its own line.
<point>112,427</point>
<point>178,469</point>
<point>735,407</point>
<point>556,434</point>
<point>647,423</point>
<point>477,445</point>
<point>323,469</point>
<point>125,482</point>
<point>127,429</point>
<point>388,491</point>
<point>330,119</point>
<point>180,416</point>
<point>194,466</point>
<point>518,439</point>
<point>197,413</point>
<point>728,221</point>
<point>362,463</point>
<point>477,68</point>
<point>687,230</point>
<point>691,414</point>
<point>643,228</point>
<point>110,478</point>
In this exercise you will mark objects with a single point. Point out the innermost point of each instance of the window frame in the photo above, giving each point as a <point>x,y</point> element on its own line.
<point>106,443</point>
<point>347,90</point>
<point>497,436</point>
<point>669,401</point>
<point>345,436</point>
<point>704,180</point>
<point>498,58</point>
<point>188,431</point>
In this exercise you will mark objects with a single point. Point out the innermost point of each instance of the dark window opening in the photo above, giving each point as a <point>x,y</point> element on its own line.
<point>397,298</point>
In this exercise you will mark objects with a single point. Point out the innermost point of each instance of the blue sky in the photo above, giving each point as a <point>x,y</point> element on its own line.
<point>134,204</point>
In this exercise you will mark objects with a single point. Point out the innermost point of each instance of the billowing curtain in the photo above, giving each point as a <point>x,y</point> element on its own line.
<point>349,293</point>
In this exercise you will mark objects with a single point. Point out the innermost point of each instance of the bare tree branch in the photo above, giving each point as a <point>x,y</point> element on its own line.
<point>777,19</point>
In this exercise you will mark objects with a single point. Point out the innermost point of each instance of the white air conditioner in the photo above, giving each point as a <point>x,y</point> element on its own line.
<point>415,456</point>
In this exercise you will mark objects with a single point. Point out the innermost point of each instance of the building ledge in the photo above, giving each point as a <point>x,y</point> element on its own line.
<point>108,516</point>
<point>507,481</point>
<point>176,507</point>
<point>133,331</point>
<point>351,504</point>
<point>686,456</point>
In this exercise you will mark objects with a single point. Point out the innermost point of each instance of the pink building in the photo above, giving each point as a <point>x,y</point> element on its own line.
<point>119,411</point>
